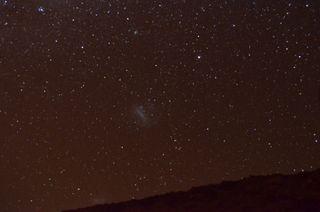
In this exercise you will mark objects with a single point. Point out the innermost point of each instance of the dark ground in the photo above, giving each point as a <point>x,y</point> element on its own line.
<point>300,192</point>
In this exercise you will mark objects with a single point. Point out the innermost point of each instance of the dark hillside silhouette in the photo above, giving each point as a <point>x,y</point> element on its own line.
<point>274,193</point>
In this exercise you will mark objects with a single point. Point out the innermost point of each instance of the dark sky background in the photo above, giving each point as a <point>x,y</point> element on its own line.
<point>109,100</point>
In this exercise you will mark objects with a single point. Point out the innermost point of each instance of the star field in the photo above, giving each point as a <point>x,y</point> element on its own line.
<point>107,100</point>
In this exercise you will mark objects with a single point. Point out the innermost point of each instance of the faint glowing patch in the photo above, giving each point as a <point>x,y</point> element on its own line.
<point>141,113</point>
<point>145,115</point>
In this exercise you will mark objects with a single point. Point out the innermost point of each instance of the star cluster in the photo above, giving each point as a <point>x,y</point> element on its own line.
<point>109,100</point>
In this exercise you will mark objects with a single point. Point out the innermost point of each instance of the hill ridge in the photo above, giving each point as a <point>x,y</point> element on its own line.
<point>275,192</point>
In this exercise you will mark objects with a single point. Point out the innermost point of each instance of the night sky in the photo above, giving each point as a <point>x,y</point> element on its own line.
<point>107,100</point>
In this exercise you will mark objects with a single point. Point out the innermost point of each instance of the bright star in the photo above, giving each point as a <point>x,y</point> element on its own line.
<point>41,9</point>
